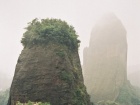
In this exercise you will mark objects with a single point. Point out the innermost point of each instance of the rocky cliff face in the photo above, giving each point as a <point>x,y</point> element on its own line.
<point>106,59</point>
<point>49,72</point>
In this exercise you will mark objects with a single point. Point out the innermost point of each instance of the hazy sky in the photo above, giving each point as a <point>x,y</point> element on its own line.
<point>82,14</point>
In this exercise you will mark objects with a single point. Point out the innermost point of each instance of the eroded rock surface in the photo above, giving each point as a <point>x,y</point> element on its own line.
<point>49,73</point>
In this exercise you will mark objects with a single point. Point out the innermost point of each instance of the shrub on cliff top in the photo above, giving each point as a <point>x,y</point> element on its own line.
<point>46,30</point>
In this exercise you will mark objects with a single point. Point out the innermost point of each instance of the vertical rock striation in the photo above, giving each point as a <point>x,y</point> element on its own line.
<point>105,65</point>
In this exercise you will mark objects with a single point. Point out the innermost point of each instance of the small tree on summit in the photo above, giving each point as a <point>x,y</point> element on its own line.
<point>46,30</point>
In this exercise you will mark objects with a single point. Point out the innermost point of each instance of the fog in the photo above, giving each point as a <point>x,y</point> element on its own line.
<point>82,14</point>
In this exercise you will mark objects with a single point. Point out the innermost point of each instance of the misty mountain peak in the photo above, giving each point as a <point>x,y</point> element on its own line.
<point>106,59</point>
<point>108,30</point>
<point>108,18</point>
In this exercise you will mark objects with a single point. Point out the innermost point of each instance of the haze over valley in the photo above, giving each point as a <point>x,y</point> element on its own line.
<point>70,52</point>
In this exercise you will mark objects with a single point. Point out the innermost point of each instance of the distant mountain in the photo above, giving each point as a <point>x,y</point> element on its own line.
<point>105,59</point>
<point>134,75</point>
<point>105,64</point>
<point>5,81</point>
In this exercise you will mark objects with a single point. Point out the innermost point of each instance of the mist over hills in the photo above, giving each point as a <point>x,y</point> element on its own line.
<point>5,81</point>
<point>105,66</point>
<point>134,75</point>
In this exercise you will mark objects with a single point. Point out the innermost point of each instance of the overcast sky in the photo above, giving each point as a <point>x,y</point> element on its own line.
<point>82,14</point>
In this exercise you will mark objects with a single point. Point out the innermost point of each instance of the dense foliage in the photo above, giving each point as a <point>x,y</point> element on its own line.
<point>46,30</point>
<point>4,95</point>
<point>128,96</point>
<point>107,103</point>
<point>33,103</point>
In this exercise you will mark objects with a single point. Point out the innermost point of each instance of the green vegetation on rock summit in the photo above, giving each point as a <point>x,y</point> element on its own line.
<point>46,30</point>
